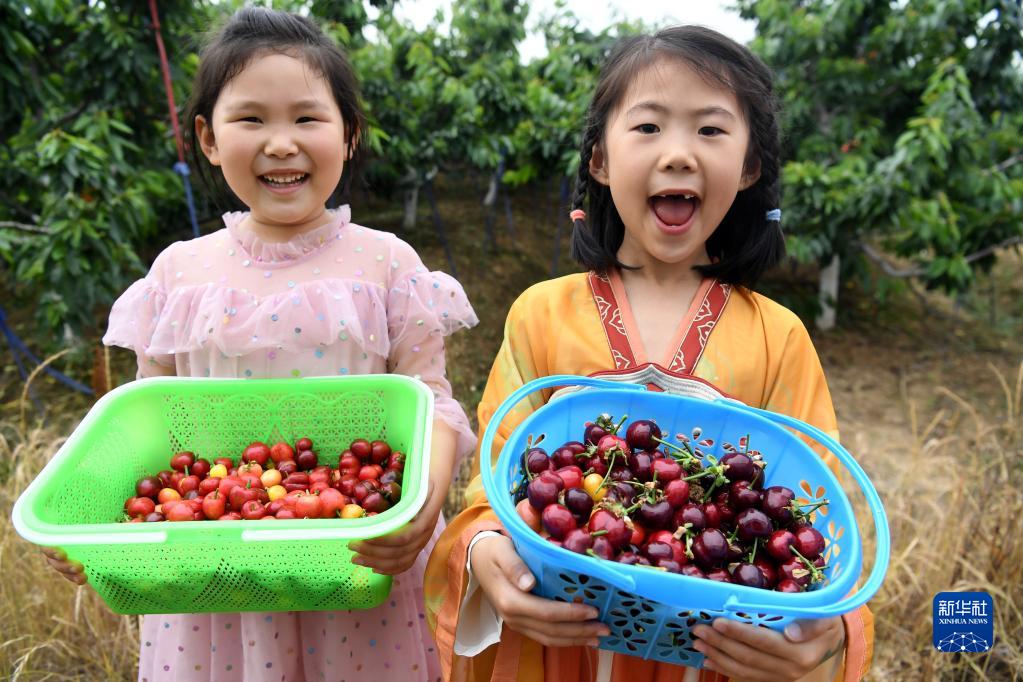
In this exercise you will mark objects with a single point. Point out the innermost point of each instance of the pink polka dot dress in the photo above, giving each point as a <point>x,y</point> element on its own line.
<point>339,299</point>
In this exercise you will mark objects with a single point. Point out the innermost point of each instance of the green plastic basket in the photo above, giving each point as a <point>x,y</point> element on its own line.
<point>210,566</point>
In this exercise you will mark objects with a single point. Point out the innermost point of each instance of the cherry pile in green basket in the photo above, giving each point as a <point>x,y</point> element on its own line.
<point>271,482</point>
<point>646,501</point>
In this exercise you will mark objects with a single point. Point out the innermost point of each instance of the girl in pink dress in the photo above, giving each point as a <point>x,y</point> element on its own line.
<point>292,289</point>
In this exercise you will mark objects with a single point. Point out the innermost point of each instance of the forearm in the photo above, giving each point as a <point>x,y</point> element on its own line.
<point>831,664</point>
<point>442,457</point>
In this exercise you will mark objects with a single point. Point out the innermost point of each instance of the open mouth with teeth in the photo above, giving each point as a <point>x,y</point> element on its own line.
<point>284,181</point>
<point>674,209</point>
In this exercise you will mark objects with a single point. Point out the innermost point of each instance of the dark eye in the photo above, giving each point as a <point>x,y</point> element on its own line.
<point>710,131</point>
<point>647,128</point>
<point>306,119</point>
<point>250,119</point>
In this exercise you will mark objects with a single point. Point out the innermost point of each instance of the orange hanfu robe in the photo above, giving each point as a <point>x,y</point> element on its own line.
<point>742,343</point>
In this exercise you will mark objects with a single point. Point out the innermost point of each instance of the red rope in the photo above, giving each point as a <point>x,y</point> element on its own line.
<point>167,82</point>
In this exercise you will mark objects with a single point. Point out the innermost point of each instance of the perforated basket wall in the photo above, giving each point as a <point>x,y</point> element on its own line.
<point>76,501</point>
<point>653,620</point>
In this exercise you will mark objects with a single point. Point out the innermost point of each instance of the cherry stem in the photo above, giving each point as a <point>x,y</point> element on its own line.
<point>814,506</point>
<point>615,429</point>
<point>815,573</point>
<point>753,552</point>
<point>598,533</point>
<point>688,452</point>
<point>610,466</point>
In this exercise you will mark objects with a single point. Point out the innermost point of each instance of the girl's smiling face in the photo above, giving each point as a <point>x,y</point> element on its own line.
<point>279,138</point>
<point>673,156</point>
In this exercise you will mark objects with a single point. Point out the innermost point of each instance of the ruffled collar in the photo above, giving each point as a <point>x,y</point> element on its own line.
<point>298,247</point>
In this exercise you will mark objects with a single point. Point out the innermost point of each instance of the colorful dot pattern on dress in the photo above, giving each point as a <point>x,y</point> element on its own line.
<point>311,306</point>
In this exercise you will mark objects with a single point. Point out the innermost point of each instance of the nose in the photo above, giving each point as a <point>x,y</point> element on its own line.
<point>678,154</point>
<point>280,143</point>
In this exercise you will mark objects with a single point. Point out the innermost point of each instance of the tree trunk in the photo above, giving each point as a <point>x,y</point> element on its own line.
<point>491,197</point>
<point>411,198</point>
<point>828,293</point>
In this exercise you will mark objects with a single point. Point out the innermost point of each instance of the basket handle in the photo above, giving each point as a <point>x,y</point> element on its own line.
<point>883,550</point>
<point>620,580</point>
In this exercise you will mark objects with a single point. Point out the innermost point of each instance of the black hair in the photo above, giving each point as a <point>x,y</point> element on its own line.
<point>746,243</point>
<point>256,31</point>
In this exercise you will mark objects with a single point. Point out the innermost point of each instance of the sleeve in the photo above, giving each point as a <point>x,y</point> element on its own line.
<point>422,308</point>
<point>800,390</point>
<point>447,578</point>
<point>134,316</point>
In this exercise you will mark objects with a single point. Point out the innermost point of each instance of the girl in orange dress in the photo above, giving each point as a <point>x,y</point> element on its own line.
<point>679,176</point>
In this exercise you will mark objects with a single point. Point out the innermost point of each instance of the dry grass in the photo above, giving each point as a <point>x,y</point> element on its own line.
<point>50,629</point>
<point>955,506</point>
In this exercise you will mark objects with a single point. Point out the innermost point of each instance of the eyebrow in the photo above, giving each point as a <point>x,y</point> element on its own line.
<point>304,104</point>
<point>659,108</point>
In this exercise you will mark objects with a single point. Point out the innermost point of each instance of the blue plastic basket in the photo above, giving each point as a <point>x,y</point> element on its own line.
<point>650,613</point>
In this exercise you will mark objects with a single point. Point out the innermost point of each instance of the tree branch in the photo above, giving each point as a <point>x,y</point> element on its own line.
<point>24,227</point>
<point>892,271</point>
<point>1008,163</point>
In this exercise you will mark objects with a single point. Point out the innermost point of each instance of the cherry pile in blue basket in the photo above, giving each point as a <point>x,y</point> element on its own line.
<point>647,501</point>
<point>271,482</point>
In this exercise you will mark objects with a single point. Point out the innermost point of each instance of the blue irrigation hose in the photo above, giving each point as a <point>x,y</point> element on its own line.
<point>181,168</point>
<point>18,346</point>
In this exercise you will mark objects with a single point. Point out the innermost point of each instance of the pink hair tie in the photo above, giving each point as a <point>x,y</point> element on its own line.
<point>577,214</point>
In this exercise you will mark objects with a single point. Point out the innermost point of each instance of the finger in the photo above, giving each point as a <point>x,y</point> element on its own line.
<point>807,629</point>
<point>556,640</point>
<point>371,552</point>
<point>398,539</point>
<point>389,566</point>
<point>515,570</point>
<point>55,553</point>
<point>568,633</point>
<point>732,647</point>
<point>717,661</point>
<point>66,566</point>
<point>552,616</point>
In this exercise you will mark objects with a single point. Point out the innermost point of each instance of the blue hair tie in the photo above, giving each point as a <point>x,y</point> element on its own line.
<point>774,214</point>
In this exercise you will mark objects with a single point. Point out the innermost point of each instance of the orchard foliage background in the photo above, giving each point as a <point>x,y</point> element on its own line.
<point>904,151</point>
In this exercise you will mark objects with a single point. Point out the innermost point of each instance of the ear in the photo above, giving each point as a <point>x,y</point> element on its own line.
<point>749,178</point>
<point>204,133</point>
<point>598,167</point>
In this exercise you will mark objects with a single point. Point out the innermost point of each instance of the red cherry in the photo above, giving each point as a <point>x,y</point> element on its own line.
<point>214,505</point>
<point>753,523</point>
<point>281,452</point>
<point>379,451</point>
<point>361,448</point>
<point>778,544</point>
<point>375,502</point>
<point>571,476</point>
<point>148,487</point>
<point>256,452</point>
<point>641,434</point>
<point>794,569</point>
<point>666,470</point>
<point>677,493</point>
<point>748,575</point>
<point>309,507</point>
<point>306,460</point>
<point>558,520</point>
<point>179,512</point>
<point>303,444</point>
<point>181,460</point>
<point>139,506</point>
<point>809,542</point>
<point>577,540</point>
<point>788,585</point>
<point>253,510</point>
